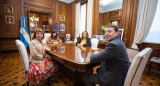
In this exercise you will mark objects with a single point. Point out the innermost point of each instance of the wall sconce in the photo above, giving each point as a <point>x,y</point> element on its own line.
<point>35,19</point>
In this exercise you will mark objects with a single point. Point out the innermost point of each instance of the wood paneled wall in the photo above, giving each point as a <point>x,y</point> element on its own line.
<point>155,47</point>
<point>9,32</point>
<point>54,8</point>
<point>106,18</point>
<point>103,18</point>
<point>65,10</point>
<point>42,6</point>
<point>95,18</point>
<point>115,15</point>
<point>129,14</point>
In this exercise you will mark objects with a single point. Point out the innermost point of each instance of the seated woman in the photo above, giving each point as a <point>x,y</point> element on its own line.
<point>84,41</point>
<point>53,38</point>
<point>40,69</point>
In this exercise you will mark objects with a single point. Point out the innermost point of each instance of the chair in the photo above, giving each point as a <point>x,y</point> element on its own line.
<point>46,35</point>
<point>24,55</point>
<point>132,53</point>
<point>94,43</point>
<point>137,67</point>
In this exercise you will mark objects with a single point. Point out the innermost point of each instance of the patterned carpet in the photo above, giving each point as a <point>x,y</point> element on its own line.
<point>153,79</point>
<point>12,74</point>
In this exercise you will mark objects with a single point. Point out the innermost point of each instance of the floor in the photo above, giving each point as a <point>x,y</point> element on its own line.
<point>12,74</point>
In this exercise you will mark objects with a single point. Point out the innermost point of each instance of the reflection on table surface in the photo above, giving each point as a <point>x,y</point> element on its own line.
<point>70,52</point>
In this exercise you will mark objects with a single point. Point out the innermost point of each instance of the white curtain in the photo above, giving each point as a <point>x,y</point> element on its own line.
<point>83,19</point>
<point>77,26</point>
<point>89,17</point>
<point>145,16</point>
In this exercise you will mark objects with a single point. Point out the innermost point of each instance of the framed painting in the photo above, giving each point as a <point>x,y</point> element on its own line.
<point>68,36</point>
<point>9,19</point>
<point>8,9</point>
<point>62,27</point>
<point>62,18</point>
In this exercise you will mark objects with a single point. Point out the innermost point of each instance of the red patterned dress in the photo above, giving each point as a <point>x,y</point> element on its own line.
<point>39,70</point>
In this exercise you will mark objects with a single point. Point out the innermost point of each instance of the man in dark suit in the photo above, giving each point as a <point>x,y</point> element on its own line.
<point>114,62</point>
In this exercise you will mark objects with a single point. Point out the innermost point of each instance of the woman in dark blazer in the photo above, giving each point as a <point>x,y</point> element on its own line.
<point>84,41</point>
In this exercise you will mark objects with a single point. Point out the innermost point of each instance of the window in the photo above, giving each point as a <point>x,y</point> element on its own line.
<point>83,18</point>
<point>154,33</point>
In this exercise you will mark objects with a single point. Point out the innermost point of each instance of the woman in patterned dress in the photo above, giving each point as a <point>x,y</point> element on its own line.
<point>40,69</point>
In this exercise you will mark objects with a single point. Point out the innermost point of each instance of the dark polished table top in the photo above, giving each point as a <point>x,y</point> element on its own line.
<point>72,53</point>
<point>71,56</point>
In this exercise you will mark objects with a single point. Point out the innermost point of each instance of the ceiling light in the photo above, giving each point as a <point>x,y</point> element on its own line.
<point>35,19</point>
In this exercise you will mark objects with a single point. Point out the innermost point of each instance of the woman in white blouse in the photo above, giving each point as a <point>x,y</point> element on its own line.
<point>40,69</point>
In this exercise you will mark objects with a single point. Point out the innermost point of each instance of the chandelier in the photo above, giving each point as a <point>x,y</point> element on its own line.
<point>34,19</point>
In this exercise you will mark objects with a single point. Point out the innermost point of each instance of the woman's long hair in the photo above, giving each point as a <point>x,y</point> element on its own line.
<point>37,30</point>
<point>54,37</point>
<point>83,33</point>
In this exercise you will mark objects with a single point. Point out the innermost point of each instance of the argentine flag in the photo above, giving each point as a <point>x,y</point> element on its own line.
<point>24,33</point>
<point>56,29</point>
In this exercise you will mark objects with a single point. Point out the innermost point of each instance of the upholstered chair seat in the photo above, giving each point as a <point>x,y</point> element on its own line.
<point>24,55</point>
<point>137,67</point>
<point>132,53</point>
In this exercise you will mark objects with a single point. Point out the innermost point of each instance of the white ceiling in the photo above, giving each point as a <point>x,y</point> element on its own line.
<point>110,6</point>
<point>66,1</point>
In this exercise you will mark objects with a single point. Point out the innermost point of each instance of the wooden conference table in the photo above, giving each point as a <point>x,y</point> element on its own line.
<point>71,56</point>
<point>75,58</point>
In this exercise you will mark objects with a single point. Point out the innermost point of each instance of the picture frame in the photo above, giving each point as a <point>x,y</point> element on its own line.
<point>68,37</point>
<point>101,38</point>
<point>62,27</point>
<point>121,31</point>
<point>8,9</point>
<point>62,18</point>
<point>9,19</point>
<point>96,36</point>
